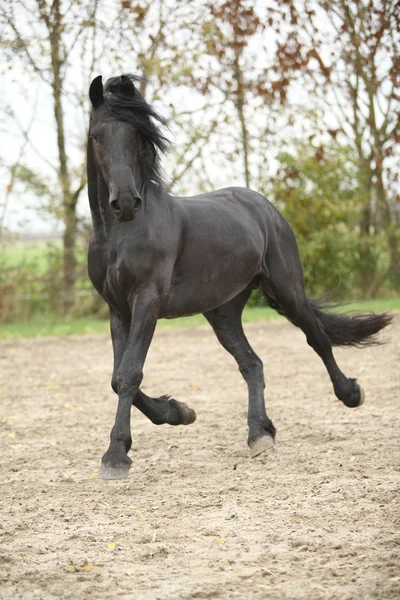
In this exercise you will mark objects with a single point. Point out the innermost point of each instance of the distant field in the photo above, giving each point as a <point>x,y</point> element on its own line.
<point>45,326</point>
<point>32,253</point>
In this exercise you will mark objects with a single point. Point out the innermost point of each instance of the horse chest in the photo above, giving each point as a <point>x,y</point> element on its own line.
<point>120,277</point>
<point>124,274</point>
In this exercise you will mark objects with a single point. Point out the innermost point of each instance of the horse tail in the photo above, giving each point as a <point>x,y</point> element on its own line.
<point>344,329</point>
<point>350,329</point>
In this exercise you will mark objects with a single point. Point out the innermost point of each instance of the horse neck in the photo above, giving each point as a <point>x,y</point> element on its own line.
<point>98,200</point>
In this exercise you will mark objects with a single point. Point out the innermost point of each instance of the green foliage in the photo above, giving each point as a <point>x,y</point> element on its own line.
<point>317,188</point>
<point>318,191</point>
<point>31,282</point>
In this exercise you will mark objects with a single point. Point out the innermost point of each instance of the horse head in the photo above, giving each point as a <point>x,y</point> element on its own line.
<point>126,139</point>
<point>114,147</point>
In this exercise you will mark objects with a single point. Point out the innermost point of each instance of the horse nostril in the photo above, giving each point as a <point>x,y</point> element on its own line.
<point>115,207</point>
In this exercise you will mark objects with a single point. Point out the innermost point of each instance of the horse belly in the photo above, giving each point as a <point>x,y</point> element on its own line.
<point>208,288</point>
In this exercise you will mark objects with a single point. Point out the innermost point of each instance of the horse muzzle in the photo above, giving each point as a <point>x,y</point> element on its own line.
<point>125,208</point>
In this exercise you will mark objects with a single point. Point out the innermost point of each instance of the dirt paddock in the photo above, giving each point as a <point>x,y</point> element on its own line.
<point>318,518</point>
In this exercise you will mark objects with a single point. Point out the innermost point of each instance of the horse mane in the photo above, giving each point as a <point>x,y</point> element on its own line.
<point>124,102</point>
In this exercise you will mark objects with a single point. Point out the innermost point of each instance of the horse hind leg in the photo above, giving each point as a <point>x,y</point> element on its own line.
<point>300,313</point>
<point>227,325</point>
<point>283,286</point>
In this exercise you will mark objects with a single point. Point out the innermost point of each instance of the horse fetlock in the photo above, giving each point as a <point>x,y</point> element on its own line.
<point>259,427</point>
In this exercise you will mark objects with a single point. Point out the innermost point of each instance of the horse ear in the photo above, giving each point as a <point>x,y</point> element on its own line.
<point>96,91</point>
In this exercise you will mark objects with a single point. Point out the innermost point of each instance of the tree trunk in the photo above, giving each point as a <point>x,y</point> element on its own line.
<point>68,200</point>
<point>69,259</point>
<point>240,103</point>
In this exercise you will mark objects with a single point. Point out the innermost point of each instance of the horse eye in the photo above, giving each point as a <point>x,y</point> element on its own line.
<point>95,138</point>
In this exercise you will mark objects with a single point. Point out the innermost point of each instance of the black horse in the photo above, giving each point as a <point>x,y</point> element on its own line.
<point>153,255</point>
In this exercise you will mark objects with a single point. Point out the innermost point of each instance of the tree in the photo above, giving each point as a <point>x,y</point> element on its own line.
<point>229,32</point>
<point>346,54</point>
<point>44,38</point>
<point>234,71</point>
<point>59,46</point>
<point>318,190</point>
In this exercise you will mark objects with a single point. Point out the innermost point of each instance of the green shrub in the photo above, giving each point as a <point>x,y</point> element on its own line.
<point>319,193</point>
<point>31,282</point>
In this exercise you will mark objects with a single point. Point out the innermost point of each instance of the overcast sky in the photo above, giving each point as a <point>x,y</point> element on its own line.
<point>31,102</point>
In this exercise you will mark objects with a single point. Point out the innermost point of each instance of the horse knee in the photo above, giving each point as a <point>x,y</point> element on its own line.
<point>128,382</point>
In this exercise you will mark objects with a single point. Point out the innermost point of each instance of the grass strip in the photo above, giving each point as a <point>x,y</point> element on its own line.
<point>50,326</point>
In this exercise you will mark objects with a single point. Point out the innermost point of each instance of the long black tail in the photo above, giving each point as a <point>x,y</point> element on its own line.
<point>350,329</point>
<point>344,329</point>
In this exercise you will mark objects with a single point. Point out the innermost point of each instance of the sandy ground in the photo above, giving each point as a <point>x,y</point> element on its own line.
<point>318,518</point>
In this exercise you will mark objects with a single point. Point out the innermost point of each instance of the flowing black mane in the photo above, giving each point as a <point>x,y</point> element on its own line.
<point>123,101</point>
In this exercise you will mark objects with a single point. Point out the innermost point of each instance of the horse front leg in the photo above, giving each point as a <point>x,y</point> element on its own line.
<point>115,463</point>
<point>119,335</point>
<point>158,410</point>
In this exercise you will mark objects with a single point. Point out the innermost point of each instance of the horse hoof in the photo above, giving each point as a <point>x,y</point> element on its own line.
<point>107,472</point>
<point>260,445</point>
<point>179,413</point>
<point>356,399</point>
<point>362,396</point>
<point>189,416</point>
